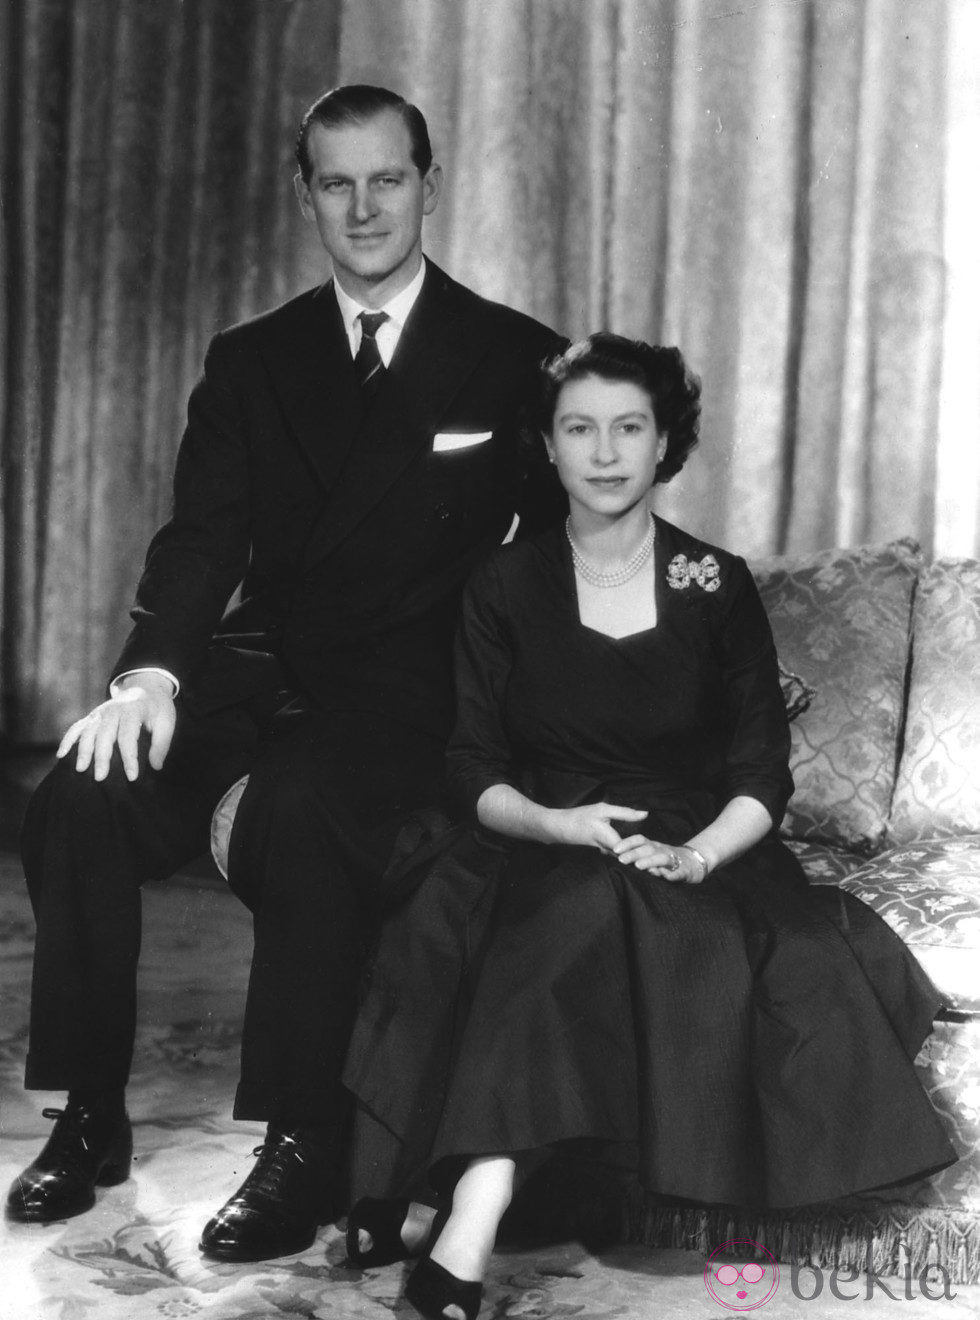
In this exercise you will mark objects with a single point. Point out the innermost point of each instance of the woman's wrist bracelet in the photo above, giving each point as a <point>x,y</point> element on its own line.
<point>700,857</point>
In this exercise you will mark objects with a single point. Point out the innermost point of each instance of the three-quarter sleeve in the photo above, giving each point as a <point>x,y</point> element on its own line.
<point>757,728</point>
<point>479,753</point>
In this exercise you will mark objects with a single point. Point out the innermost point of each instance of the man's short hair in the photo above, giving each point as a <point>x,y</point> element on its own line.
<point>354,104</point>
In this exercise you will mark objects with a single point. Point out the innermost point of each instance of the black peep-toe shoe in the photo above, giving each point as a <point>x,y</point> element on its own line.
<point>384,1221</point>
<point>431,1289</point>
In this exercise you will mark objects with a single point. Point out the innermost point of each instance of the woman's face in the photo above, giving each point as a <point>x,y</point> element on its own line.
<point>604,443</point>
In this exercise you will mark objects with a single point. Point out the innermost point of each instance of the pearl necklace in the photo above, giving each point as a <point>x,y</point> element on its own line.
<point>596,577</point>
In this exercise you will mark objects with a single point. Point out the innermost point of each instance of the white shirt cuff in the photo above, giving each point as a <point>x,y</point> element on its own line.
<point>148,669</point>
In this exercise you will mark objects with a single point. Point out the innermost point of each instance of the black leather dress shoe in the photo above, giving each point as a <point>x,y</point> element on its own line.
<point>84,1151</point>
<point>279,1206</point>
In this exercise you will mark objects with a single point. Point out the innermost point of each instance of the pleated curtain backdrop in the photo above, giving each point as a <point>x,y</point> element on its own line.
<point>148,203</point>
<point>782,189</point>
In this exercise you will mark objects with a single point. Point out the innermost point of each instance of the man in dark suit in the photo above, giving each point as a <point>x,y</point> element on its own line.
<point>348,458</point>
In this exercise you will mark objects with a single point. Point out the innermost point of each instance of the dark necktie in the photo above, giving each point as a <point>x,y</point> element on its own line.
<point>368,367</point>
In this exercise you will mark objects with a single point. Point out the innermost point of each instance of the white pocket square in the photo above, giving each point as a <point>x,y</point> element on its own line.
<point>446,440</point>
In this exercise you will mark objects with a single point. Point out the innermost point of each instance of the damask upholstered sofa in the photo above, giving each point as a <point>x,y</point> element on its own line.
<point>886,760</point>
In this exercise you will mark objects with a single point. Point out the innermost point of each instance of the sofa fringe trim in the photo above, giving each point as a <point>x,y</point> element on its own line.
<point>901,1239</point>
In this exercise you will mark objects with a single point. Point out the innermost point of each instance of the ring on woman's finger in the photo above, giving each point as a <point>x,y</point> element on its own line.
<point>674,863</point>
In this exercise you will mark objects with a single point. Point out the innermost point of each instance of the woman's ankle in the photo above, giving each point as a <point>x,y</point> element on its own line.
<point>480,1200</point>
<point>464,1254</point>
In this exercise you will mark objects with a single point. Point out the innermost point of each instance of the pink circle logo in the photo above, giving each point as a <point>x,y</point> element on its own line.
<point>741,1287</point>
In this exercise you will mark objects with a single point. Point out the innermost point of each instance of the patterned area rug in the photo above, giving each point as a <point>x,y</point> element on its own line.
<point>135,1256</point>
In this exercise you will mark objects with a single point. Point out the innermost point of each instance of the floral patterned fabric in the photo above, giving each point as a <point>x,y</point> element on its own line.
<point>842,618</point>
<point>937,790</point>
<point>823,864</point>
<point>949,1066</point>
<point>929,893</point>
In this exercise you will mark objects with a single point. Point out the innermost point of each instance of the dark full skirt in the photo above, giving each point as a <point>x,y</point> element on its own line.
<point>747,1041</point>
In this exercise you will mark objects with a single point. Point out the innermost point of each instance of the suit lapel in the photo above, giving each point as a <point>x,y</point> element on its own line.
<point>313,379</point>
<point>443,340</point>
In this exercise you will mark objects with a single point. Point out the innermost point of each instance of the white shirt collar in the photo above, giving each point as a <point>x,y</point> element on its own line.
<point>397,310</point>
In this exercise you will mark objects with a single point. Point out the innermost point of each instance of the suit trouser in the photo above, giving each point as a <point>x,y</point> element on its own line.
<point>327,793</point>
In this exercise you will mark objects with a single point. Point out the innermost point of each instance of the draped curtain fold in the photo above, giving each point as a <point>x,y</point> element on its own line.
<point>781,189</point>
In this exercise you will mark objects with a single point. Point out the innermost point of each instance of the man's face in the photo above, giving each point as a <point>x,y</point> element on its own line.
<point>367,199</point>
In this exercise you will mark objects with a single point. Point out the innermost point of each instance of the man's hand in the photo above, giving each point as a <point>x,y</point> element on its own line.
<point>141,701</point>
<point>591,825</point>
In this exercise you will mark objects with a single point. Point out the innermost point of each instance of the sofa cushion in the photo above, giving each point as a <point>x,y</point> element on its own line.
<point>937,788</point>
<point>842,618</point>
<point>929,893</point>
<point>823,864</point>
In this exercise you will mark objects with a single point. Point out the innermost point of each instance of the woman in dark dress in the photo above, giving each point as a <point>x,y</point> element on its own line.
<point>620,951</point>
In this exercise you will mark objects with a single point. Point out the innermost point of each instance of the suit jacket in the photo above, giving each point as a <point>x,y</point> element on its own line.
<point>350,534</point>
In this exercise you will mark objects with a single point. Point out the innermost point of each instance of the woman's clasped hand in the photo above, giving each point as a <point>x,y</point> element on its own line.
<point>591,826</point>
<point>680,864</point>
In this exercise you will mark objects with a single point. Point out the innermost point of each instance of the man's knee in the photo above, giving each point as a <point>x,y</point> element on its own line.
<point>66,812</point>
<point>79,790</point>
<point>76,823</point>
<point>68,797</point>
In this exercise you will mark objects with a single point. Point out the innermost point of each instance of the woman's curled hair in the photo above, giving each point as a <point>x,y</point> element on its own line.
<point>674,390</point>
